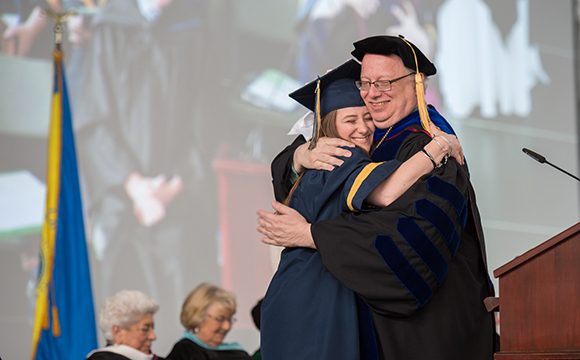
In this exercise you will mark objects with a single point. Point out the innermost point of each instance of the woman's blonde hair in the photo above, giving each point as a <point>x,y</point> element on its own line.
<point>327,129</point>
<point>328,125</point>
<point>194,309</point>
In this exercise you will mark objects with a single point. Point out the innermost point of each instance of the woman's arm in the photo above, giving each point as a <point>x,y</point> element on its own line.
<point>289,228</point>
<point>296,157</point>
<point>411,170</point>
<point>323,157</point>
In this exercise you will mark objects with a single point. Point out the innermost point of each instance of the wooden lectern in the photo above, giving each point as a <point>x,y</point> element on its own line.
<point>540,301</point>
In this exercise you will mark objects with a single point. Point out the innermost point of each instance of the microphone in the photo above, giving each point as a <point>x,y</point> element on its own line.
<point>542,160</point>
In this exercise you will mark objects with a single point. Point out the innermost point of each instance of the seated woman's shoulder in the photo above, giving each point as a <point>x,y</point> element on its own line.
<point>187,349</point>
<point>207,315</point>
<point>107,355</point>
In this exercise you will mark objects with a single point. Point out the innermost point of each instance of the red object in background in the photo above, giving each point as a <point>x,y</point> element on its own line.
<point>243,188</point>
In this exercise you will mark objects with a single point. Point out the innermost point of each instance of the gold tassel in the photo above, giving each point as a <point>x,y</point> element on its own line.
<point>420,90</point>
<point>423,113</point>
<point>317,120</point>
<point>55,322</point>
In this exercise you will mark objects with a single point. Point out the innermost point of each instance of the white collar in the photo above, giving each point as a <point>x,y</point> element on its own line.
<point>126,351</point>
<point>303,126</point>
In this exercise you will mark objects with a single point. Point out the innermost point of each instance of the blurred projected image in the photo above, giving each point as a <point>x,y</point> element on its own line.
<point>132,69</point>
<point>508,69</point>
<point>140,152</point>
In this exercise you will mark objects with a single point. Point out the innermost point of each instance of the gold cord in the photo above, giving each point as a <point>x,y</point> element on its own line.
<point>420,90</point>
<point>317,119</point>
<point>383,139</point>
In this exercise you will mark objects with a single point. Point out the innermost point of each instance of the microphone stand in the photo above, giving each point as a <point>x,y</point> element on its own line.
<point>542,160</point>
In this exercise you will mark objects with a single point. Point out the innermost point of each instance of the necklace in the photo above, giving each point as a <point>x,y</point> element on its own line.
<point>383,139</point>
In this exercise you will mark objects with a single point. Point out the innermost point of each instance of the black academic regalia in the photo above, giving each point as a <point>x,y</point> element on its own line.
<point>107,355</point>
<point>307,313</point>
<point>186,349</point>
<point>419,263</point>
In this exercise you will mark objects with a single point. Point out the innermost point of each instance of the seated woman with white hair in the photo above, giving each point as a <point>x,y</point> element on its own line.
<point>126,320</point>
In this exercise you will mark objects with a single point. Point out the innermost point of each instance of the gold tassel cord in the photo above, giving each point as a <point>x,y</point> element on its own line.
<point>317,120</point>
<point>421,104</point>
<point>313,140</point>
<point>420,90</point>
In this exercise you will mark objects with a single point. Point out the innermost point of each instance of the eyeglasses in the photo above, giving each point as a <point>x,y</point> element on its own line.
<point>146,330</point>
<point>381,85</point>
<point>232,320</point>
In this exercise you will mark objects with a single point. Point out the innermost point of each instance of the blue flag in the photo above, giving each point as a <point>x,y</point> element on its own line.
<point>64,319</point>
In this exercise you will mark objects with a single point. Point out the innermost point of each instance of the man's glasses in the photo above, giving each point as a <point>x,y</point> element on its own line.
<point>381,85</point>
<point>222,319</point>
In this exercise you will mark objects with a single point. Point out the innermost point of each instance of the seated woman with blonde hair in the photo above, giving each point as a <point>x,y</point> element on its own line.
<point>126,320</point>
<point>207,315</point>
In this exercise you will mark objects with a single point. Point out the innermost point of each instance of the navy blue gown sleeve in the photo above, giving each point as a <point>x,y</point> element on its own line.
<point>408,244</point>
<point>323,194</point>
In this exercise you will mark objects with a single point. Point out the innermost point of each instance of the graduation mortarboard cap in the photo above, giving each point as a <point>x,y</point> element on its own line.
<point>332,91</point>
<point>337,89</point>
<point>388,45</point>
<point>412,58</point>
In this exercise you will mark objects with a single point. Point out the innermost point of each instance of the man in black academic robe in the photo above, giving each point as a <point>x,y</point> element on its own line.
<point>419,263</point>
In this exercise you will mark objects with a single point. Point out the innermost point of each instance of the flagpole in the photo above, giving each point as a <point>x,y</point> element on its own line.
<point>59,20</point>
<point>64,325</point>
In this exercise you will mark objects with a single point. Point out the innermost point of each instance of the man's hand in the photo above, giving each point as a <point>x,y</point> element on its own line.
<point>287,228</point>
<point>457,150</point>
<point>323,156</point>
<point>165,191</point>
<point>77,32</point>
<point>151,196</point>
<point>148,209</point>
